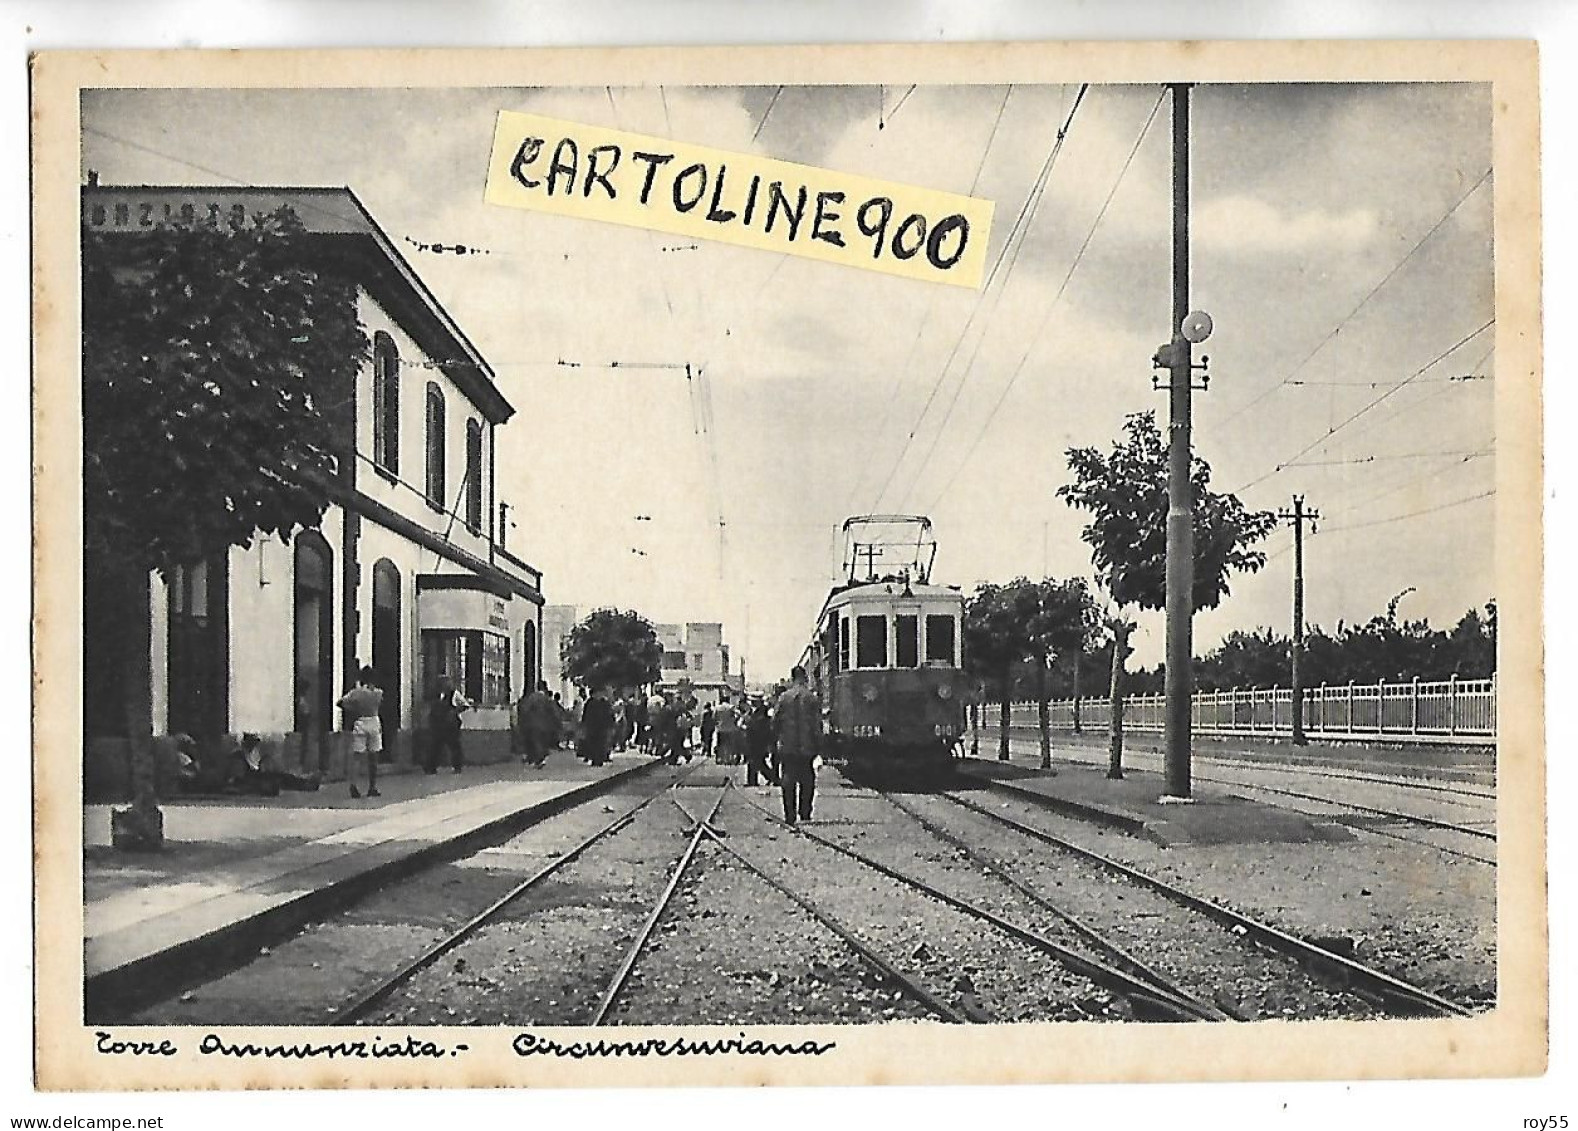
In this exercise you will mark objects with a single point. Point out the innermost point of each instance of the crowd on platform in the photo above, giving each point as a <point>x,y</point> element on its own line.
<point>778,739</point>
<point>777,742</point>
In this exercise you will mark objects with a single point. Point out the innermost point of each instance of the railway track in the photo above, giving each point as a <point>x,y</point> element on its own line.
<point>620,1000</point>
<point>1396,995</point>
<point>1359,808</point>
<point>1151,995</point>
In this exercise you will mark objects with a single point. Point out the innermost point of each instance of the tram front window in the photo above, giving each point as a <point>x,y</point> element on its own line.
<point>871,642</point>
<point>907,641</point>
<point>939,639</point>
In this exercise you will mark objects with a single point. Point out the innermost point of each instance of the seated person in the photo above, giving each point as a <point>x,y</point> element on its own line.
<point>250,775</point>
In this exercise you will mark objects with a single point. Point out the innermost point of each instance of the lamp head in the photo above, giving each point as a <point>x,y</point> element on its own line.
<point>1196,326</point>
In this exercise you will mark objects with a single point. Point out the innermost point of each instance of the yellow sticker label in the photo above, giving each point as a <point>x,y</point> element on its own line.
<point>593,173</point>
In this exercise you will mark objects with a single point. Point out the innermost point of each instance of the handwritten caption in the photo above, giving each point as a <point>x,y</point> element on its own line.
<point>595,173</point>
<point>523,1044</point>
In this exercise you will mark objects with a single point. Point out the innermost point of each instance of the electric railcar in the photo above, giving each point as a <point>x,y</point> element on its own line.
<point>886,656</point>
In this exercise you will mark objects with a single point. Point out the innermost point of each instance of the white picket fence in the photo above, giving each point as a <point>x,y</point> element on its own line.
<point>1445,711</point>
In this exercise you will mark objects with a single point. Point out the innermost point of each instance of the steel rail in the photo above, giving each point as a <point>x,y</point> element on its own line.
<point>381,992</point>
<point>1161,983</point>
<point>606,1002</point>
<point>966,1015</point>
<point>1376,981</point>
<point>1100,972</point>
<point>1315,770</point>
<point>1033,795</point>
<point>1412,818</point>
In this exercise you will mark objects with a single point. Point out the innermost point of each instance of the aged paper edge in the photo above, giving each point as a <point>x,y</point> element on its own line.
<point>1511,1040</point>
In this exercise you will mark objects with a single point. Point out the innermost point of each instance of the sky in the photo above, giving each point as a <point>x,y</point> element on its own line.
<point>1341,241</point>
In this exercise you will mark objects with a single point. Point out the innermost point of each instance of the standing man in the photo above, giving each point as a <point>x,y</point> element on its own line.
<point>728,734</point>
<point>758,745</point>
<point>539,721</point>
<point>709,729</point>
<point>359,707</point>
<point>597,727</point>
<point>798,722</point>
<point>443,722</point>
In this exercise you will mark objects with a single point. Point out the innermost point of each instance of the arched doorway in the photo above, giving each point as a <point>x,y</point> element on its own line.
<point>386,647</point>
<point>314,647</point>
<point>529,674</point>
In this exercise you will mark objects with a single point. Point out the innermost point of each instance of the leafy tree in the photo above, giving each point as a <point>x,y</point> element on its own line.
<point>994,640</point>
<point>1125,493</point>
<point>218,367</point>
<point>1025,622</point>
<point>1062,618</point>
<point>613,648</point>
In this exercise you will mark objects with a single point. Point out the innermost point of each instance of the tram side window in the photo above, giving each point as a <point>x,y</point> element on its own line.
<point>843,643</point>
<point>939,639</point>
<point>907,641</point>
<point>871,642</point>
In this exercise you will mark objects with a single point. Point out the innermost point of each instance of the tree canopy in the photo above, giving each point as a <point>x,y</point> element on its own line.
<point>218,382</point>
<point>613,648</point>
<point>1006,624</point>
<point>1125,493</point>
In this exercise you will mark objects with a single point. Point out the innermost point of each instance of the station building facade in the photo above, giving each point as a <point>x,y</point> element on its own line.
<point>406,570</point>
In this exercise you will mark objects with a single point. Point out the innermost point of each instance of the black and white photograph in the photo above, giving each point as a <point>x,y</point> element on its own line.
<point>772,568</point>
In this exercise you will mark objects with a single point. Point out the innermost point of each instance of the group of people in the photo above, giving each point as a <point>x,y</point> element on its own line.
<point>780,744</point>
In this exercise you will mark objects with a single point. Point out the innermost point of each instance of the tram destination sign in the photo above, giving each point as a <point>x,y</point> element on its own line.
<point>595,173</point>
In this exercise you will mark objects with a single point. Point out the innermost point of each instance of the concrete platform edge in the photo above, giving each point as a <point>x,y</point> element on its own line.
<point>1123,822</point>
<point>110,994</point>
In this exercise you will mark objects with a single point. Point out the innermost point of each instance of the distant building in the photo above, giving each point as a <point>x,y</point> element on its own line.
<point>692,652</point>
<point>695,653</point>
<point>557,621</point>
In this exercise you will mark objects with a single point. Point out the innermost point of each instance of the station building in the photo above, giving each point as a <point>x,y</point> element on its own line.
<point>407,569</point>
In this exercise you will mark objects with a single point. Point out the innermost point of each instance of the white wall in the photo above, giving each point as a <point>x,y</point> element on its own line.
<point>408,496</point>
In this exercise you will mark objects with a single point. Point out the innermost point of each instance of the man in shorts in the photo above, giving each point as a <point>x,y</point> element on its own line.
<point>360,707</point>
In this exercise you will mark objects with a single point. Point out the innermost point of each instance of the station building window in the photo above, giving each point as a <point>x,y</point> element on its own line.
<point>939,639</point>
<point>435,445</point>
<point>386,403</point>
<point>871,642</point>
<point>674,661</point>
<point>478,663</point>
<point>473,476</point>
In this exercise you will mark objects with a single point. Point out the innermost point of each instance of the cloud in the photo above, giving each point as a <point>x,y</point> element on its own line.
<point>1240,225</point>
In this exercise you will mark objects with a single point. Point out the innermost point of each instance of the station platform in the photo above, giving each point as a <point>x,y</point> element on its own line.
<point>237,872</point>
<point>1133,804</point>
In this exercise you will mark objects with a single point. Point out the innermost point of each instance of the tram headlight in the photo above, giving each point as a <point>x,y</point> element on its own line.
<point>944,691</point>
<point>869,693</point>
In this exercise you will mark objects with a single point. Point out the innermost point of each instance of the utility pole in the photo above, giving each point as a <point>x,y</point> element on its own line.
<point>1297,517</point>
<point>1180,506</point>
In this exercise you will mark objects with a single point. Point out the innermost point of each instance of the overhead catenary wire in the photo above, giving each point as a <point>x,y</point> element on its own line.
<point>771,102</point>
<point>1332,334</point>
<point>931,303</point>
<point>1333,430</point>
<point>1385,458</point>
<point>1012,259</point>
<point>1410,514</point>
<point>1010,247</point>
<point>1051,306</point>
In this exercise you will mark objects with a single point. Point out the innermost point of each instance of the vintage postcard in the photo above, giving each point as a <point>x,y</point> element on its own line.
<point>849,565</point>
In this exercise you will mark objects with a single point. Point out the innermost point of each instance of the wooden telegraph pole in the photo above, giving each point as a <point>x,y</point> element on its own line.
<point>1298,516</point>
